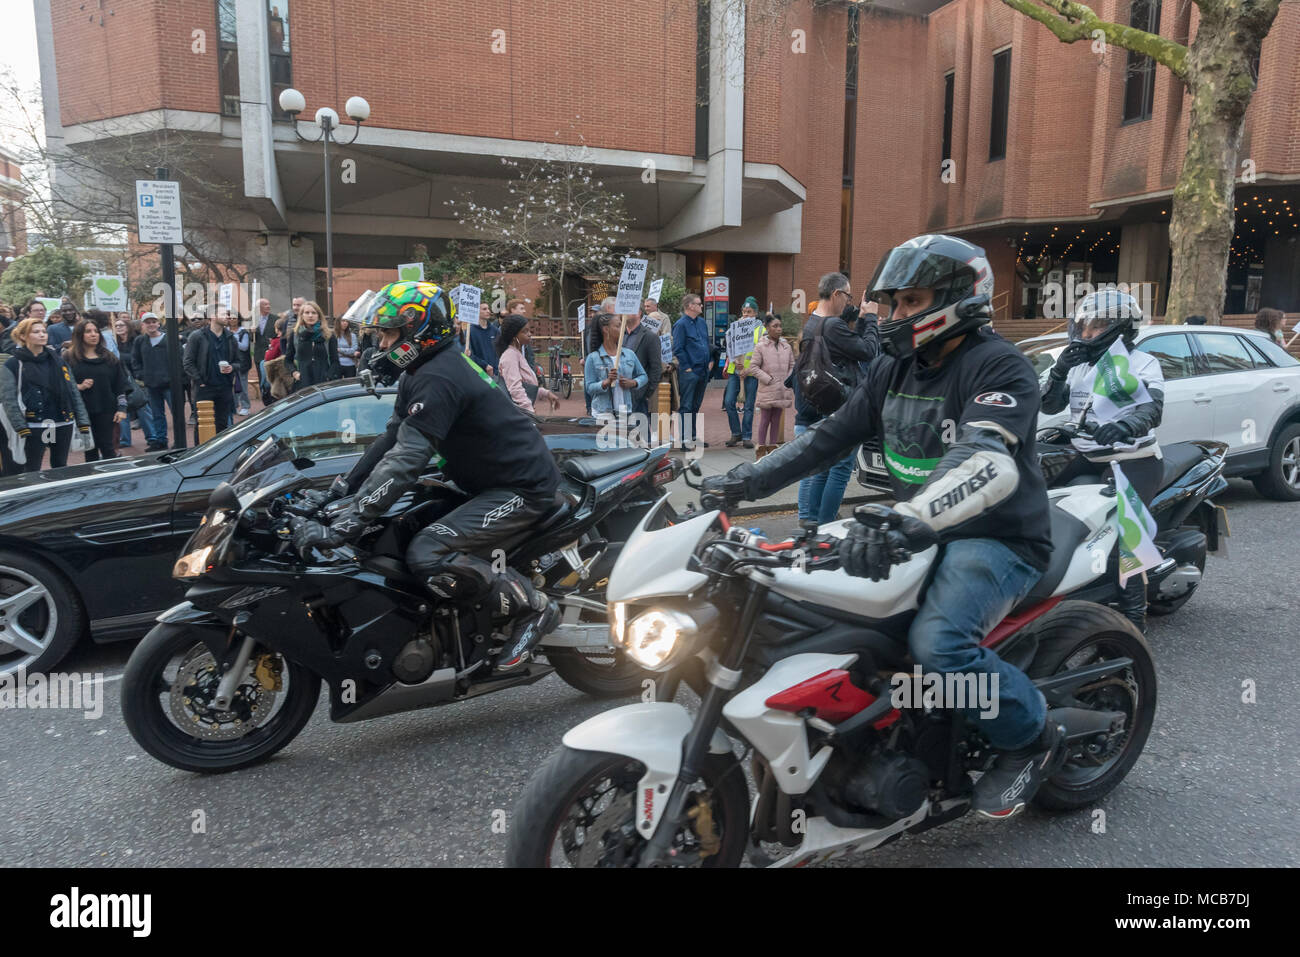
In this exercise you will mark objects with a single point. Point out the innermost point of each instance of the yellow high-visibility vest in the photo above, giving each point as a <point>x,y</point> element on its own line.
<point>759,333</point>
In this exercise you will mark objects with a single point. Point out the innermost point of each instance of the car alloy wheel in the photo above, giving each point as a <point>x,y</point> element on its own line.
<point>29,619</point>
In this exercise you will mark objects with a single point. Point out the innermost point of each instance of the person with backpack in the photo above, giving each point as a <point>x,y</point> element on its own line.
<point>835,339</point>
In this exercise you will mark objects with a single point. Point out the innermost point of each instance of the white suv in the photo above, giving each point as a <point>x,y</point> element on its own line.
<point>1234,386</point>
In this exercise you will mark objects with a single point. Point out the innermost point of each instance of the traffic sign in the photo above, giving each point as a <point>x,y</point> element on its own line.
<point>158,211</point>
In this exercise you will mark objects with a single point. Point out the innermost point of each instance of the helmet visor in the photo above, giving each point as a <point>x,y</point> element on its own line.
<point>362,311</point>
<point>915,268</point>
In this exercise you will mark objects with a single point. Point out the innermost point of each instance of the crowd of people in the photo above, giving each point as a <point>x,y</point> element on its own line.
<point>73,381</point>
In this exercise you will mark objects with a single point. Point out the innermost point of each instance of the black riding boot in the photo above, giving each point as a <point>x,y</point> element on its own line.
<point>1132,602</point>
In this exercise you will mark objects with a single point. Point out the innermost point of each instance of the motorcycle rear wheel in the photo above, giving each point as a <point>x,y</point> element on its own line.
<point>1075,634</point>
<point>585,802</point>
<point>151,699</point>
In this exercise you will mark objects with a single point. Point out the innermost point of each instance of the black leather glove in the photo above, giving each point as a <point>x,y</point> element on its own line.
<point>1072,355</point>
<point>310,535</point>
<point>867,552</point>
<point>1113,433</point>
<point>318,499</point>
<point>722,491</point>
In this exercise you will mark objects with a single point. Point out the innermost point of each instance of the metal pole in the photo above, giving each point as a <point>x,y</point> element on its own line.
<point>174,344</point>
<point>329,228</point>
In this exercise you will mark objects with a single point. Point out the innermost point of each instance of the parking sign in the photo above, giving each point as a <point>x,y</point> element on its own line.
<point>158,211</point>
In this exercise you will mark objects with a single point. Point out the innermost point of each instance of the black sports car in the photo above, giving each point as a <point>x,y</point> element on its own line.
<point>89,548</point>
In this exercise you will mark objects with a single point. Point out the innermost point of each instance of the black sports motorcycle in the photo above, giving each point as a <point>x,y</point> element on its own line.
<point>231,675</point>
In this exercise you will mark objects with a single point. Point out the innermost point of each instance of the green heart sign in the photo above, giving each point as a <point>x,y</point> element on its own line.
<point>108,286</point>
<point>410,272</point>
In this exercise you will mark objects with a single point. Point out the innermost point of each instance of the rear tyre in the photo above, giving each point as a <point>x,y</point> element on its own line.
<point>1281,480</point>
<point>566,388</point>
<point>1073,635</point>
<point>602,674</point>
<point>1167,606</point>
<point>580,810</point>
<point>168,716</point>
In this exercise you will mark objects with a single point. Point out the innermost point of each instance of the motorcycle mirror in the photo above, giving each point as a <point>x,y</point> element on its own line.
<point>223,496</point>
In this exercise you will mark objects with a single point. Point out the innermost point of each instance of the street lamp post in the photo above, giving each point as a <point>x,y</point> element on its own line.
<point>358,110</point>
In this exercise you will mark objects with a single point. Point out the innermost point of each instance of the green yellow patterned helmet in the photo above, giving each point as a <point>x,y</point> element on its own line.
<point>422,310</point>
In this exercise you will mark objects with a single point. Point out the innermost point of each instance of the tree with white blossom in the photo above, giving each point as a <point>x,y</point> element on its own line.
<point>558,220</point>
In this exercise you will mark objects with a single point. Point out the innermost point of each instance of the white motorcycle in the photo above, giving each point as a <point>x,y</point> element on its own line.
<point>801,664</point>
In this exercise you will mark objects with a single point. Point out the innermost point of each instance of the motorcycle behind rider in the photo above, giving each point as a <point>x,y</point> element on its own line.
<point>450,412</point>
<point>956,407</point>
<point>1117,413</point>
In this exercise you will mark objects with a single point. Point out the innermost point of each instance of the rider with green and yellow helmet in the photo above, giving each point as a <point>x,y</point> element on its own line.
<point>449,409</point>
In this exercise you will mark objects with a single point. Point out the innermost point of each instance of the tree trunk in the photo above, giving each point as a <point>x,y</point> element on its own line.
<point>1202,222</point>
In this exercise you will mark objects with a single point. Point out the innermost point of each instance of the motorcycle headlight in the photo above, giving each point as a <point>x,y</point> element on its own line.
<point>192,564</point>
<point>656,637</point>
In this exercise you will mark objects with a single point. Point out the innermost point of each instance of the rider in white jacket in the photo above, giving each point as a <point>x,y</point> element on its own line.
<point>1120,414</point>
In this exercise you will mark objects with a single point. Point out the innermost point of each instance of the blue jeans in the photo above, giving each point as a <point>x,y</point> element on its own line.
<point>690,392</point>
<point>978,581</point>
<point>743,429</point>
<point>820,495</point>
<point>160,400</point>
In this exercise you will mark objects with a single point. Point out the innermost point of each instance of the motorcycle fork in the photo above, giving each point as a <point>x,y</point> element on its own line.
<point>230,681</point>
<point>695,745</point>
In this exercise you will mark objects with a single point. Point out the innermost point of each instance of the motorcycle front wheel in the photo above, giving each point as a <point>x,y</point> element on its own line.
<point>580,810</point>
<point>167,690</point>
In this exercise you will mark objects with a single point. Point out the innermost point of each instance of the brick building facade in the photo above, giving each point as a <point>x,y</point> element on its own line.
<point>822,143</point>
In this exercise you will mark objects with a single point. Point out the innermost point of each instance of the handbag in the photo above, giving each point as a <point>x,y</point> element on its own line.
<point>137,396</point>
<point>820,382</point>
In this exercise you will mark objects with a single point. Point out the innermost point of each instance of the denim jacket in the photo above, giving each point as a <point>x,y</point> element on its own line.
<point>595,370</point>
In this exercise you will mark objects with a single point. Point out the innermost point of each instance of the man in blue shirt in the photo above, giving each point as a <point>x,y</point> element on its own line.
<point>691,350</point>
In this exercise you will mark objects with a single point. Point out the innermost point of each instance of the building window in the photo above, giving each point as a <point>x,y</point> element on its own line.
<point>277,26</point>
<point>277,30</point>
<point>1001,105</point>
<point>949,87</point>
<point>850,142</point>
<point>1140,75</point>
<point>228,57</point>
<point>702,79</point>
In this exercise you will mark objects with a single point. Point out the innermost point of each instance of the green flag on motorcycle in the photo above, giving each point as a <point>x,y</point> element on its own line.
<point>1137,530</point>
<point>1116,389</point>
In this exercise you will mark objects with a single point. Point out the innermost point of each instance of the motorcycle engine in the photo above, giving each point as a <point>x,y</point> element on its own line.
<point>415,661</point>
<point>889,783</point>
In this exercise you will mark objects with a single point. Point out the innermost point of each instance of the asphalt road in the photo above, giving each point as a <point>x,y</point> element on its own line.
<point>1218,783</point>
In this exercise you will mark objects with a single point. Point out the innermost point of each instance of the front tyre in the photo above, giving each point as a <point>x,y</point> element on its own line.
<point>579,810</point>
<point>1281,480</point>
<point>167,688</point>
<point>1076,634</point>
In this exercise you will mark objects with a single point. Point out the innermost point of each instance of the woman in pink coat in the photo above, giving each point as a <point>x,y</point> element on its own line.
<point>772,365</point>
<point>519,377</point>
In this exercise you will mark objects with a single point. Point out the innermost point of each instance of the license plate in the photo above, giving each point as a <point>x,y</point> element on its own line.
<point>877,461</point>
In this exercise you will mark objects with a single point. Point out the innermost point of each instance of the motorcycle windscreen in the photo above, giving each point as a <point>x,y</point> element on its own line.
<point>267,454</point>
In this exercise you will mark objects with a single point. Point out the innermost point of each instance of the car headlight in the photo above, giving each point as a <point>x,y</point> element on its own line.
<point>656,637</point>
<point>192,564</point>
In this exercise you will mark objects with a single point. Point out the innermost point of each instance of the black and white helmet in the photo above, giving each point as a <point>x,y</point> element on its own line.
<point>1102,317</point>
<point>961,278</point>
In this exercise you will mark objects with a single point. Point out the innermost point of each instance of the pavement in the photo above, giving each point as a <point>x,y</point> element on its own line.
<point>1218,783</point>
